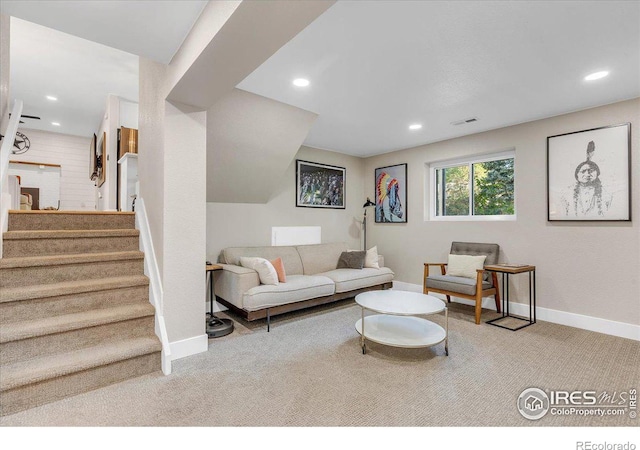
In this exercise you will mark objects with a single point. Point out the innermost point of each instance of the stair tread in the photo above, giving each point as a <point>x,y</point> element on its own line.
<point>51,366</point>
<point>57,324</point>
<point>70,287</point>
<point>80,258</point>
<point>69,234</point>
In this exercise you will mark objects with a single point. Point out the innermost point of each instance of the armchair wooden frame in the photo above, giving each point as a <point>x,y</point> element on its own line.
<point>480,293</point>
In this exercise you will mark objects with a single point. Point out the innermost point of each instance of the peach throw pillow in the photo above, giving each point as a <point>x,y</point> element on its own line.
<point>279,266</point>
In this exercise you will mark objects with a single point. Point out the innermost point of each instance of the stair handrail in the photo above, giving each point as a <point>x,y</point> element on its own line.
<point>7,143</point>
<point>9,137</point>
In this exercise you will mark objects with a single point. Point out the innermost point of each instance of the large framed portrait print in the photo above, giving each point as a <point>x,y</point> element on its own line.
<point>320,185</point>
<point>391,194</point>
<point>589,175</point>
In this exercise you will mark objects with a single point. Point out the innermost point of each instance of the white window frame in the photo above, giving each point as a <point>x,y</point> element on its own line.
<point>431,191</point>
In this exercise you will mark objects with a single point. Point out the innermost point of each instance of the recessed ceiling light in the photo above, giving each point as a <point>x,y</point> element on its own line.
<point>52,98</point>
<point>415,126</point>
<point>302,82</point>
<point>55,124</point>
<point>596,75</point>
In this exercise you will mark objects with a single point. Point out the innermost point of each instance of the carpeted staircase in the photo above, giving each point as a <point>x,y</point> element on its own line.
<point>74,306</point>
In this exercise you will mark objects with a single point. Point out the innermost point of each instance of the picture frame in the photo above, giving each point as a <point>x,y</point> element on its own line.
<point>391,194</point>
<point>320,185</point>
<point>101,164</point>
<point>589,175</point>
<point>93,159</point>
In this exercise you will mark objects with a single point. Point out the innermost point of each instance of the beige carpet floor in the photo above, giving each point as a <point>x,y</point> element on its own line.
<point>309,371</point>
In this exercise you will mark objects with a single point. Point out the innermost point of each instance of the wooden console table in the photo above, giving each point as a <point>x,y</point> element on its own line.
<point>512,269</point>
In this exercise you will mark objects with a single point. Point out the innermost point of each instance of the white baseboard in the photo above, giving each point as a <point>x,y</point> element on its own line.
<point>188,347</point>
<point>605,326</point>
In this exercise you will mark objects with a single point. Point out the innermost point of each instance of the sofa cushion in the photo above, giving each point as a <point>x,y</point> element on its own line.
<point>289,255</point>
<point>371,259</point>
<point>279,266</point>
<point>456,284</point>
<point>350,279</point>
<point>351,260</point>
<point>296,289</point>
<point>265,269</point>
<point>320,258</point>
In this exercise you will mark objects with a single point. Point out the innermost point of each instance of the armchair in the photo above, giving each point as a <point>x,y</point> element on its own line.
<point>484,284</point>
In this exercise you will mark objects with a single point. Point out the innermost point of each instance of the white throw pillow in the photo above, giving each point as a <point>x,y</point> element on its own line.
<point>265,269</point>
<point>371,258</point>
<point>465,265</point>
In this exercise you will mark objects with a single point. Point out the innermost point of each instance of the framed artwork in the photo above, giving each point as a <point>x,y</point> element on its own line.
<point>320,185</point>
<point>93,159</point>
<point>589,175</point>
<point>101,164</point>
<point>391,194</point>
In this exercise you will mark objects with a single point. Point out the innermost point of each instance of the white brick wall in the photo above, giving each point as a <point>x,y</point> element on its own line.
<point>77,191</point>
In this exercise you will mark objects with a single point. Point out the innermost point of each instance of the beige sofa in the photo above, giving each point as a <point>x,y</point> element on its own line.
<point>312,279</point>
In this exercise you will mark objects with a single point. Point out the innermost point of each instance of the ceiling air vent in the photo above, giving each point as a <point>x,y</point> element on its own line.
<point>462,122</point>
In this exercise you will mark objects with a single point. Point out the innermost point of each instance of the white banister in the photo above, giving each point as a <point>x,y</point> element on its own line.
<point>5,153</point>
<point>156,293</point>
<point>7,142</point>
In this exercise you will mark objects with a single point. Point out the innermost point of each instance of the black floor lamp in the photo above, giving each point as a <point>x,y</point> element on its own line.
<point>367,204</point>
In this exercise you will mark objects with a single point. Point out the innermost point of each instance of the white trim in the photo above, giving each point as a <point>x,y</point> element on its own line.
<point>156,293</point>
<point>190,346</point>
<point>605,326</point>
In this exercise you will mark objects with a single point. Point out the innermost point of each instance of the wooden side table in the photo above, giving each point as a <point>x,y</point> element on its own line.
<point>216,327</point>
<point>512,269</point>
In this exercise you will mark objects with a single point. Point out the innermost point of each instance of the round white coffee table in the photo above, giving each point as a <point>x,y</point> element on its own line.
<point>396,325</point>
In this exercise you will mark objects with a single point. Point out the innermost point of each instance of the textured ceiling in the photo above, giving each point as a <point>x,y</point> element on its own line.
<point>376,67</point>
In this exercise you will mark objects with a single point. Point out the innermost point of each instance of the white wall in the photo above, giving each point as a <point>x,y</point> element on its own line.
<point>246,224</point>
<point>5,73</point>
<point>588,268</point>
<point>46,178</point>
<point>72,154</point>
<point>128,114</point>
<point>118,113</point>
<point>106,194</point>
<point>178,233</point>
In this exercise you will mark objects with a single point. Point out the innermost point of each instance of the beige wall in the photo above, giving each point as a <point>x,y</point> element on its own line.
<point>590,269</point>
<point>243,224</point>
<point>250,142</point>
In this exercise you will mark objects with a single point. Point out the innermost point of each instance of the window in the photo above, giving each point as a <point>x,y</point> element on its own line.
<point>480,188</point>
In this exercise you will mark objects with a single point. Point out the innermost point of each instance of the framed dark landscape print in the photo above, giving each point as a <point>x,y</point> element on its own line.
<point>589,175</point>
<point>391,194</point>
<point>101,164</point>
<point>93,159</point>
<point>320,185</point>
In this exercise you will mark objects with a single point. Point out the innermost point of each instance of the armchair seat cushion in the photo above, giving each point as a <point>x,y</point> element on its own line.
<point>461,285</point>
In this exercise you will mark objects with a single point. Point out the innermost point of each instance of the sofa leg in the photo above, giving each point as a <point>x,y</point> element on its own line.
<point>268,321</point>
